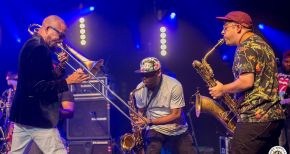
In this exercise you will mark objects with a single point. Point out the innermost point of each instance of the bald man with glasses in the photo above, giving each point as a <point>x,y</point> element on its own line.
<point>35,109</point>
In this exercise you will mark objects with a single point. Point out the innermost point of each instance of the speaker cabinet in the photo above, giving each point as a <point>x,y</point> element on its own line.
<point>225,144</point>
<point>90,147</point>
<point>91,120</point>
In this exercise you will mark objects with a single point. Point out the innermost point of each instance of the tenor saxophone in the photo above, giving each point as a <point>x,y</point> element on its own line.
<point>206,104</point>
<point>133,141</point>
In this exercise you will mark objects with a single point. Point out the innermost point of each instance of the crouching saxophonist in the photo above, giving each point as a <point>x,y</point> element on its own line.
<point>161,102</point>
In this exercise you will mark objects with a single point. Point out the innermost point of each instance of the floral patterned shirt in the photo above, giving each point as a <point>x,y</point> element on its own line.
<point>261,102</point>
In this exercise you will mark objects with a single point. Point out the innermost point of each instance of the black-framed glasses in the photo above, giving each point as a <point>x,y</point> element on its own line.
<point>61,34</point>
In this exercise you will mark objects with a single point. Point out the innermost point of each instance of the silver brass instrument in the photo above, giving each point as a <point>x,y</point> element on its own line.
<point>208,105</point>
<point>91,68</point>
<point>133,140</point>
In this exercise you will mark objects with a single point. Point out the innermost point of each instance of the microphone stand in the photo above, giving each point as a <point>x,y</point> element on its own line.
<point>191,124</point>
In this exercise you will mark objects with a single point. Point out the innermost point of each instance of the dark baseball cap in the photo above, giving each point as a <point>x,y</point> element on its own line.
<point>239,17</point>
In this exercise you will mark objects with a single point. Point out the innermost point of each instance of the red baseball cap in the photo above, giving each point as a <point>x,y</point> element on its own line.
<point>239,17</point>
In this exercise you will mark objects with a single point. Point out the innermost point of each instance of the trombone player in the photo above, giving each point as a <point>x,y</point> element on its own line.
<point>35,109</point>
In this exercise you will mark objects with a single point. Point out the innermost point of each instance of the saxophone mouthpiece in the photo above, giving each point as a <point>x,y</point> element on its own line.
<point>220,42</point>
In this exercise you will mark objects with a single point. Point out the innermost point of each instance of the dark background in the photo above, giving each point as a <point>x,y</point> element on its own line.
<point>124,32</point>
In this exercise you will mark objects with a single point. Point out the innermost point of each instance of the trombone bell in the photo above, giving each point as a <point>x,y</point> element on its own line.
<point>94,66</point>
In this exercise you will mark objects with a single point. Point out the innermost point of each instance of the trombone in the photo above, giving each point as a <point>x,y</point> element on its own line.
<point>91,67</point>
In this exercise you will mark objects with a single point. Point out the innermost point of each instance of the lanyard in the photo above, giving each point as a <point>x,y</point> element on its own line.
<point>151,95</point>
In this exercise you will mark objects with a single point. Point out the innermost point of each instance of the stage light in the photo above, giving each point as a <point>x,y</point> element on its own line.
<point>163,47</point>
<point>278,38</point>
<point>18,40</point>
<point>261,26</point>
<point>163,52</point>
<point>172,15</point>
<point>162,35</point>
<point>225,57</point>
<point>162,29</point>
<point>83,42</point>
<point>82,25</point>
<point>83,37</point>
<point>82,31</point>
<point>163,41</point>
<point>82,20</point>
<point>92,8</point>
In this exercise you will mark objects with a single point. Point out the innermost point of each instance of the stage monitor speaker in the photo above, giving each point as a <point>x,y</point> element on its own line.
<point>90,147</point>
<point>91,120</point>
<point>86,90</point>
<point>225,144</point>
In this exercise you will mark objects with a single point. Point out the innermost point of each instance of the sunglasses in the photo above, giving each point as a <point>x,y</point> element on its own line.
<point>61,34</point>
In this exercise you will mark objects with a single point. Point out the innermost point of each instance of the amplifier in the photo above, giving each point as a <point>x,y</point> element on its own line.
<point>91,120</point>
<point>85,90</point>
<point>90,147</point>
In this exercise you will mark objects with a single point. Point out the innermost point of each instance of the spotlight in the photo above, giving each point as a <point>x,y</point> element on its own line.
<point>162,29</point>
<point>225,57</point>
<point>83,42</point>
<point>92,8</point>
<point>172,15</point>
<point>261,26</point>
<point>83,37</point>
<point>18,40</point>
<point>162,35</point>
<point>163,47</point>
<point>163,41</point>
<point>82,25</point>
<point>163,52</point>
<point>82,20</point>
<point>82,31</point>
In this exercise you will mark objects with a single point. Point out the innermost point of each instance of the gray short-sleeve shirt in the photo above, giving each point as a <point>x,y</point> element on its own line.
<point>169,96</point>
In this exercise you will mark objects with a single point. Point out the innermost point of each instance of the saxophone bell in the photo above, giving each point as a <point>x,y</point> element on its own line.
<point>134,140</point>
<point>208,105</point>
<point>128,141</point>
<point>205,104</point>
